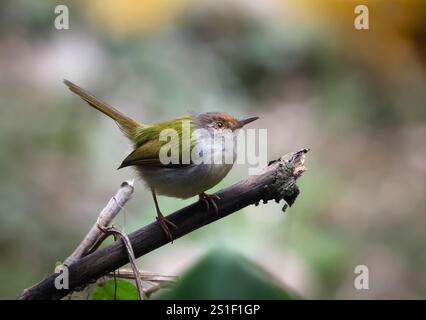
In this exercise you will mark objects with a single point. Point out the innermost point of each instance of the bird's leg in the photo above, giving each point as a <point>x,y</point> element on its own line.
<point>209,199</point>
<point>162,221</point>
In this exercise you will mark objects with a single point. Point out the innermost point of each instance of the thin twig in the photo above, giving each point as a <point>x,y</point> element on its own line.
<point>155,288</point>
<point>144,275</point>
<point>132,260</point>
<point>156,281</point>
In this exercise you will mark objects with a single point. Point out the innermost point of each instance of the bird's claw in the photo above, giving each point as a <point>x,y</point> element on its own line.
<point>163,222</point>
<point>209,199</point>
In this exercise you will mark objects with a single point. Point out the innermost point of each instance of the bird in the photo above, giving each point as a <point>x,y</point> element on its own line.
<point>182,179</point>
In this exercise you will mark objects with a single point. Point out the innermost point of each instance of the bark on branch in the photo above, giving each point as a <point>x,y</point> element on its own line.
<point>276,182</point>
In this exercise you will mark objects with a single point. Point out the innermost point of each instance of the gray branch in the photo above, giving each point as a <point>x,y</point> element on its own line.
<point>106,216</point>
<point>276,182</point>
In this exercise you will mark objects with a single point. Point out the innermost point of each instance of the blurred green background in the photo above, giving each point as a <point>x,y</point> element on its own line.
<point>356,98</point>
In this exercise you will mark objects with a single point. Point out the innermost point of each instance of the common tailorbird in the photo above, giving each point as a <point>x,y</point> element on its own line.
<point>183,179</point>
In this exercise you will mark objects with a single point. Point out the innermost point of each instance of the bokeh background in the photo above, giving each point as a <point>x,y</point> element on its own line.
<point>356,98</point>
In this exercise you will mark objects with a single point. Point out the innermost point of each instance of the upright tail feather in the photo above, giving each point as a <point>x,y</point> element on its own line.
<point>127,125</point>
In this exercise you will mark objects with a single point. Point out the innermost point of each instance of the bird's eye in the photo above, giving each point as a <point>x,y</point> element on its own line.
<point>219,124</point>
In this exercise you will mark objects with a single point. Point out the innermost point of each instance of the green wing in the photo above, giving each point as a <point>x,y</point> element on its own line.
<point>148,145</point>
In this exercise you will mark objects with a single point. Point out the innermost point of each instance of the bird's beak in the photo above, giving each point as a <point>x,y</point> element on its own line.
<point>242,123</point>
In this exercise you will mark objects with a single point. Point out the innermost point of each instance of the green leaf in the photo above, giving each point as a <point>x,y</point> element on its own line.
<point>224,274</point>
<point>125,290</point>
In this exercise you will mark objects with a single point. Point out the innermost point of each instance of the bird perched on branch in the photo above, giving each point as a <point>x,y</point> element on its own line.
<point>184,176</point>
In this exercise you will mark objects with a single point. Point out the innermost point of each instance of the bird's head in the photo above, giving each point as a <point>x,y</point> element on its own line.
<point>220,121</point>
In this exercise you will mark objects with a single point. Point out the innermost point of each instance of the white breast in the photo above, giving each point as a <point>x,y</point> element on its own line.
<point>188,181</point>
<point>184,182</point>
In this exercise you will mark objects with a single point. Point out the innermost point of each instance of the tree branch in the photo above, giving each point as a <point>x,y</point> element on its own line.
<point>275,182</point>
<point>106,216</point>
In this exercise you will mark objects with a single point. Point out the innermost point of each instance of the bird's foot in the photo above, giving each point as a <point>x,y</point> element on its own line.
<point>164,224</point>
<point>209,199</point>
